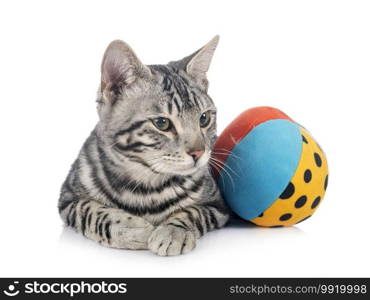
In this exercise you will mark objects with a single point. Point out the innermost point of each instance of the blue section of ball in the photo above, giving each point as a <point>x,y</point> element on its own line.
<point>260,167</point>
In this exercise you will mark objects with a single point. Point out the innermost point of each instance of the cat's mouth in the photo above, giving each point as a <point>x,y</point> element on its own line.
<point>181,167</point>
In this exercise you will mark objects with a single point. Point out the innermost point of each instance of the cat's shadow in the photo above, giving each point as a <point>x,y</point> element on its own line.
<point>234,228</point>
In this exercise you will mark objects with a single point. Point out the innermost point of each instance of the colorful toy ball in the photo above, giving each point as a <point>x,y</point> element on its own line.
<point>269,168</point>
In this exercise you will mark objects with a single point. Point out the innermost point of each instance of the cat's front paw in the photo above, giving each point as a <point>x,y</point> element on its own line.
<point>130,232</point>
<point>168,240</point>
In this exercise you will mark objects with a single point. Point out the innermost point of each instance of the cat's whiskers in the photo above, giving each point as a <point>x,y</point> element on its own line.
<point>225,151</point>
<point>231,157</point>
<point>214,163</point>
<point>218,168</point>
<point>225,166</point>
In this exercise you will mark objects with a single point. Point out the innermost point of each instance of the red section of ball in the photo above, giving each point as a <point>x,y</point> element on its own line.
<point>239,128</point>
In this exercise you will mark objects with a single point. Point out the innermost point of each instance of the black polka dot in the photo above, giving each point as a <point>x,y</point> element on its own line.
<point>316,202</point>
<point>304,219</point>
<point>300,202</point>
<point>304,139</point>
<point>288,192</point>
<point>260,215</point>
<point>285,217</point>
<point>318,159</point>
<point>307,176</point>
<point>326,182</point>
<point>276,226</point>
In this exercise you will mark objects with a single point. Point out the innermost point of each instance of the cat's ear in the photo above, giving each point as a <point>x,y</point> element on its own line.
<point>120,68</point>
<point>197,64</point>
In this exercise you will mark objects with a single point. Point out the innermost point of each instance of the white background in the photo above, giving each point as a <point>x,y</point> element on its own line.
<point>311,59</point>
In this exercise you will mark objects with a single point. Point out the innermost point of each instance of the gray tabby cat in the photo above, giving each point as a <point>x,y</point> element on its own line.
<point>142,178</point>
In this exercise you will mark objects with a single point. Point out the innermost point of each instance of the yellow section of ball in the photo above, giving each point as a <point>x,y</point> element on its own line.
<point>305,191</point>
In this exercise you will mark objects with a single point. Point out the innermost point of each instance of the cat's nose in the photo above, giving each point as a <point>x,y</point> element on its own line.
<point>196,154</point>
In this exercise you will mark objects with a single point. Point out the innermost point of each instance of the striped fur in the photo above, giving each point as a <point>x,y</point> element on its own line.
<point>132,185</point>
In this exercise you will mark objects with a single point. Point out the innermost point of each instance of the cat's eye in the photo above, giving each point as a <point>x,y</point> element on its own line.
<point>205,119</point>
<point>163,124</point>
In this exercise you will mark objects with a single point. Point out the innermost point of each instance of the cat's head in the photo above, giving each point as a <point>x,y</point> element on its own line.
<point>159,116</point>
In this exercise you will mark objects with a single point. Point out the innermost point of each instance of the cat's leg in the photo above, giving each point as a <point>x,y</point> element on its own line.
<point>111,227</point>
<point>178,234</point>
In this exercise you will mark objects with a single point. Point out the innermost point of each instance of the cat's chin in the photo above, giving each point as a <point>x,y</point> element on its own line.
<point>179,172</point>
<point>186,172</point>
